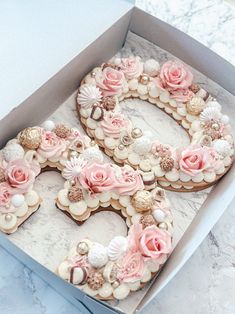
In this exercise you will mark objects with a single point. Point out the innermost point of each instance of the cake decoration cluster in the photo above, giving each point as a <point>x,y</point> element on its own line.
<point>91,184</point>
<point>171,88</point>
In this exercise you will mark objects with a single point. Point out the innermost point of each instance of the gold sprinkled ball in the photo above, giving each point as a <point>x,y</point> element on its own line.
<point>162,225</point>
<point>62,131</point>
<point>2,175</point>
<point>194,88</point>
<point>142,201</point>
<point>75,194</point>
<point>195,106</point>
<point>147,220</point>
<point>167,163</point>
<point>30,138</point>
<point>95,280</point>
<point>108,103</point>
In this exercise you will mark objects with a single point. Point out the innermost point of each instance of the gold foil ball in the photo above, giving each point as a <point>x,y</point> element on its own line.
<point>195,106</point>
<point>30,138</point>
<point>142,201</point>
<point>136,133</point>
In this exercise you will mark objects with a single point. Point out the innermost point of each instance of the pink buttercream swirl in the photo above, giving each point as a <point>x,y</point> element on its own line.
<point>130,267</point>
<point>129,182</point>
<point>153,243</point>
<point>51,145</point>
<point>174,76</point>
<point>110,81</point>
<point>194,159</point>
<point>20,175</point>
<point>114,123</point>
<point>97,178</point>
<point>132,67</point>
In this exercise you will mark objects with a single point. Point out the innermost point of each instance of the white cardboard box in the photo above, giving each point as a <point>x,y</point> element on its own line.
<point>53,56</point>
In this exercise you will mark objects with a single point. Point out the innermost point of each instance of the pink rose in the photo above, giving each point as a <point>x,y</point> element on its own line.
<point>193,160</point>
<point>161,150</point>
<point>110,81</point>
<point>175,75</point>
<point>114,123</point>
<point>19,175</point>
<point>181,95</point>
<point>97,178</point>
<point>152,242</point>
<point>132,67</point>
<point>129,182</point>
<point>51,145</point>
<point>5,192</point>
<point>130,267</point>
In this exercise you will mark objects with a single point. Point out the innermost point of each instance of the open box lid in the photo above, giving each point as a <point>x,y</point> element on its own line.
<point>38,38</point>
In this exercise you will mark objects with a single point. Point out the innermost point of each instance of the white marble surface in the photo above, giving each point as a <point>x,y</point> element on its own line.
<point>204,285</point>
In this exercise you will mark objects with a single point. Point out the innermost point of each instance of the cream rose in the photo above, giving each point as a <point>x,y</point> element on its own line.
<point>97,178</point>
<point>110,81</point>
<point>51,145</point>
<point>19,175</point>
<point>175,75</point>
<point>132,67</point>
<point>114,123</point>
<point>193,160</point>
<point>129,182</point>
<point>151,242</point>
<point>130,267</point>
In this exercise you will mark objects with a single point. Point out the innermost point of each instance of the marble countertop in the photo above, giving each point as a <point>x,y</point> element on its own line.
<point>206,283</point>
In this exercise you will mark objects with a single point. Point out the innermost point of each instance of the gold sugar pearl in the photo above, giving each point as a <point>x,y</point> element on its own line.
<point>82,248</point>
<point>136,133</point>
<point>162,225</point>
<point>144,79</point>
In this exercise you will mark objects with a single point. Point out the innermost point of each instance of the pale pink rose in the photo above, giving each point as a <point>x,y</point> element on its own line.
<point>110,81</point>
<point>151,241</point>
<point>132,67</point>
<point>175,75</point>
<point>193,160</point>
<point>214,161</point>
<point>5,193</point>
<point>161,150</point>
<point>130,267</point>
<point>19,175</point>
<point>51,145</point>
<point>97,178</point>
<point>181,95</point>
<point>129,182</point>
<point>114,123</point>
